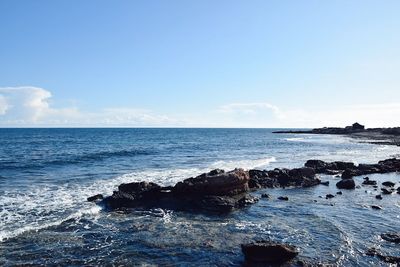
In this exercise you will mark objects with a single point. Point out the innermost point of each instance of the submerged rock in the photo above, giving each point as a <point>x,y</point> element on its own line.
<point>375,207</point>
<point>387,191</point>
<point>385,258</point>
<point>283,198</point>
<point>268,252</point>
<point>391,237</point>
<point>346,184</point>
<point>378,197</point>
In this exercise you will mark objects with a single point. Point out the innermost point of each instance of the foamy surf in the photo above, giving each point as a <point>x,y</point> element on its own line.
<point>42,207</point>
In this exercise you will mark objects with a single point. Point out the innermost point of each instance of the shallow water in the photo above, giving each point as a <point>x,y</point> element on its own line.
<point>47,174</point>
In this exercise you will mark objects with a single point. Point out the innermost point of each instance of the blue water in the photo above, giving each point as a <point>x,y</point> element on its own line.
<point>47,174</point>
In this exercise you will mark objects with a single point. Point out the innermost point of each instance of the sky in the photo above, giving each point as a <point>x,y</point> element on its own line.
<point>275,63</point>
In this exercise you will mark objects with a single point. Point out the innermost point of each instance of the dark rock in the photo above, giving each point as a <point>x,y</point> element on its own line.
<point>283,198</point>
<point>339,193</point>
<point>386,191</point>
<point>265,196</point>
<point>95,198</point>
<point>215,183</point>
<point>375,207</point>
<point>367,181</point>
<point>325,183</point>
<point>378,197</point>
<point>329,167</point>
<point>328,196</point>
<point>346,184</point>
<point>350,173</point>
<point>388,184</point>
<point>391,237</point>
<point>268,252</point>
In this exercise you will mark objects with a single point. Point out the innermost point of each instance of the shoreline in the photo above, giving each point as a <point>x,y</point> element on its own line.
<point>378,136</point>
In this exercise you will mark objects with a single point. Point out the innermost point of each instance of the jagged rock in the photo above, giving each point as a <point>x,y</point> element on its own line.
<point>346,184</point>
<point>339,193</point>
<point>95,198</point>
<point>268,252</point>
<point>326,183</point>
<point>391,237</point>
<point>385,258</point>
<point>375,207</point>
<point>328,196</point>
<point>265,196</point>
<point>215,183</point>
<point>378,197</point>
<point>298,177</point>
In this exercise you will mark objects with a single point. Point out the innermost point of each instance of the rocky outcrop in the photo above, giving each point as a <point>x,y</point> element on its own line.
<point>385,258</point>
<point>268,252</point>
<point>349,169</point>
<point>216,191</point>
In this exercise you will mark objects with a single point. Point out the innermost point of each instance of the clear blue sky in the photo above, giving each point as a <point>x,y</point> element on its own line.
<point>199,63</point>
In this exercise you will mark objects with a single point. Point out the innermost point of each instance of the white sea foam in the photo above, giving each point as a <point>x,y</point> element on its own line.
<point>38,207</point>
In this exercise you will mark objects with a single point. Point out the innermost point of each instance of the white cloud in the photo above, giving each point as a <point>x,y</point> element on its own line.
<point>30,106</point>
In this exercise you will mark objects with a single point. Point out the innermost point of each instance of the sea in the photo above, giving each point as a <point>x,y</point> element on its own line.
<point>46,176</point>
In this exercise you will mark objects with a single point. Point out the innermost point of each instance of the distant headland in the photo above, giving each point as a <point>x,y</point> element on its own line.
<point>388,136</point>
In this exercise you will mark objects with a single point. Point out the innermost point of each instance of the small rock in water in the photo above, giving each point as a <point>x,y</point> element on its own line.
<point>268,252</point>
<point>388,184</point>
<point>367,181</point>
<point>325,183</point>
<point>328,196</point>
<point>95,198</point>
<point>339,193</point>
<point>386,192</point>
<point>375,207</point>
<point>378,197</point>
<point>283,198</point>
<point>391,237</point>
<point>265,196</point>
<point>346,184</point>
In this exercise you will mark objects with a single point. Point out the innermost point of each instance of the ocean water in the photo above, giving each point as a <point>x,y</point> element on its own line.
<point>47,174</point>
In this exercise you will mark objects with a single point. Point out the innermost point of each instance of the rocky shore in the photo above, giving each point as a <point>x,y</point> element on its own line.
<point>387,136</point>
<point>219,192</point>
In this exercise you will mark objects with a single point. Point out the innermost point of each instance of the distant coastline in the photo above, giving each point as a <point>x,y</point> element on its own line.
<point>382,136</point>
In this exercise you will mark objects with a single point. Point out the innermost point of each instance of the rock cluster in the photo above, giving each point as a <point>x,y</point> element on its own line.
<point>216,191</point>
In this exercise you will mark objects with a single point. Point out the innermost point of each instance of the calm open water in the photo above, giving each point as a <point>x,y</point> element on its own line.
<point>47,174</point>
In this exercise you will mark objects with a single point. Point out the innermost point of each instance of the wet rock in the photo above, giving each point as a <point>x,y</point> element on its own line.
<point>95,198</point>
<point>326,183</point>
<point>346,184</point>
<point>375,207</point>
<point>265,196</point>
<point>339,193</point>
<point>216,191</point>
<point>283,198</point>
<point>388,259</point>
<point>388,184</point>
<point>215,183</point>
<point>268,252</point>
<point>350,173</point>
<point>328,196</point>
<point>329,167</point>
<point>386,191</point>
<point>298,177</point>
<point>367,181</point>
<point>378,197</point>
<point>391,237</point>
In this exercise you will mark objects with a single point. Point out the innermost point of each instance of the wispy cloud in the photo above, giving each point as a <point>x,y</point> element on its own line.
<point>251,108</point>
<point>30,106</point>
